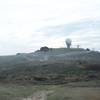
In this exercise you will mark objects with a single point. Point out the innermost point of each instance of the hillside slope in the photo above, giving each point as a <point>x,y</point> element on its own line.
<point>54,66</point>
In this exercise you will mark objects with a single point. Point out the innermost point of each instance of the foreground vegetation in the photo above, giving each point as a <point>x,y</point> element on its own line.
<point>57,74</point>
<point>72,91</point>
<point>53,66</point>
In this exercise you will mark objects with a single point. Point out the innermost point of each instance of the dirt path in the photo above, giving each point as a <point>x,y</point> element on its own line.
<point>41,95</point>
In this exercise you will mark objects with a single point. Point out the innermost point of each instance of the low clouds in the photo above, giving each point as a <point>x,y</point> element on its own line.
<point>26,25</point>
<point>13,43</point>
<point>86,33</point>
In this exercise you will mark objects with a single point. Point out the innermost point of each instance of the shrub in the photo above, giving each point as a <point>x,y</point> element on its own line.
<point>45,49</point>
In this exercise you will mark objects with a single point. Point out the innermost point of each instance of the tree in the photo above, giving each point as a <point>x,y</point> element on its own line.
<point>87,49</point>
<point>45,49</point>
<point>68,43</point>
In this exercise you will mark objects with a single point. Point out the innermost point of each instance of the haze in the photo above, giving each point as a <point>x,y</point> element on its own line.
<point>26,25</point>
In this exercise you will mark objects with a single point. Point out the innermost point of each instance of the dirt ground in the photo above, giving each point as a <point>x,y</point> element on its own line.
<point>41,95</point>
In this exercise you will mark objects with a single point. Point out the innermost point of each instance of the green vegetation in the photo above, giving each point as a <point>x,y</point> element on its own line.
<point>63,71</point>
<point>73,91</point>
<point>79,93</point>
<point>56,66</point>
<point>14,92</point>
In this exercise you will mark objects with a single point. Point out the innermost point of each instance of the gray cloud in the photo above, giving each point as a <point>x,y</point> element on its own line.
<point>55,20</point>
<point>86,32</point>
<point>67,29</point>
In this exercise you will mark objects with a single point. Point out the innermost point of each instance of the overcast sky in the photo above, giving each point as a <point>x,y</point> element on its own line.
<point>26,25</point>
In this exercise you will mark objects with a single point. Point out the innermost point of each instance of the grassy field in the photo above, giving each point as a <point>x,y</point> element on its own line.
<point>72,91</point>
<point>57,66</point>
<point>75,93</point>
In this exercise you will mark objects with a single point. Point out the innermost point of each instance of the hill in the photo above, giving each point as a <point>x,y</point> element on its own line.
<point>57,65</point>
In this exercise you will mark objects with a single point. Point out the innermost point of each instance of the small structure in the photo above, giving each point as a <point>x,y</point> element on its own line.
<point>78,46</point>
<point>68,43</point>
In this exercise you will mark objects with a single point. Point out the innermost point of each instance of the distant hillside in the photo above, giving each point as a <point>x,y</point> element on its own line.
<point>57,65</point>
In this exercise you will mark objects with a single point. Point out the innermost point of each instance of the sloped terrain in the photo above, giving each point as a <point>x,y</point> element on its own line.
<point>55,66</point>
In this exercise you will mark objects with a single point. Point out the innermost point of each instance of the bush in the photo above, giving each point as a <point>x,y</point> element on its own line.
<point>45,49</point>
<point>92,67</point>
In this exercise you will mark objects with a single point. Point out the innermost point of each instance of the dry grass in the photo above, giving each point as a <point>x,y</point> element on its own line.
<point>86,91</point>
<point>76,93</point>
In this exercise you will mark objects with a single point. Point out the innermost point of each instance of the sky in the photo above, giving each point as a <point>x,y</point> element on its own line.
<point>27,25</point>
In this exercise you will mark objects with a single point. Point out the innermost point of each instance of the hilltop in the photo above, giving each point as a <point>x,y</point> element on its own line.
<point>55,65</point>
